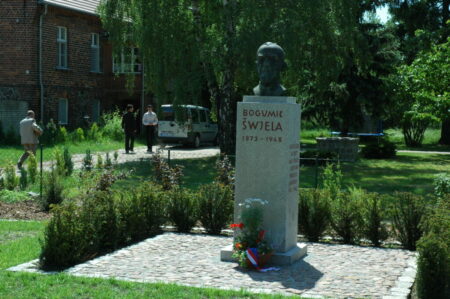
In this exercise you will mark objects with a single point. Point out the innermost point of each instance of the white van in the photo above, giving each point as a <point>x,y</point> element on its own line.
<point>186,124</point>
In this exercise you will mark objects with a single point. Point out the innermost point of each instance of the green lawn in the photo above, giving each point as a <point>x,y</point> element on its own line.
<point>430,142</point>
<point>19,243</point>
<point>407,172</point>
<point>11,154</point>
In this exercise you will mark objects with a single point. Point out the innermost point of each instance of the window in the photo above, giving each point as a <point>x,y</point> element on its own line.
<point>63,109</point>
<point>95,110</point>
<point>95,53</point>
<point>62,47</point>
<point>202,116</point>
<point>194,115</point>
<point>127,61</point>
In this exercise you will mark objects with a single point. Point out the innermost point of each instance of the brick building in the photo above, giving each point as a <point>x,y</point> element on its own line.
<point>55,59</point>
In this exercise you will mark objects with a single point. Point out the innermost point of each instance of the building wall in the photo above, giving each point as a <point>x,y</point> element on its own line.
<point>19,31</point>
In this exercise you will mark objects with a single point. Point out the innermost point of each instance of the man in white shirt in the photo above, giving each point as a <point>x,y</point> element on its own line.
<point>150,121</point>
<point>29,133</point>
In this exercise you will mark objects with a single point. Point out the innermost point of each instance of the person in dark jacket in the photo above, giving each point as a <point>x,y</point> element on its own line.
<point>129,126</point>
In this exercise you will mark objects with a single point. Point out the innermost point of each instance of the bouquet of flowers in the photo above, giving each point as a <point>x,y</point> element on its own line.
<point>250,248</point>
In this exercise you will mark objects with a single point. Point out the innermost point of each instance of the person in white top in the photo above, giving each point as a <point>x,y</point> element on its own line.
<point>150,121</point>
<point>29,133</point>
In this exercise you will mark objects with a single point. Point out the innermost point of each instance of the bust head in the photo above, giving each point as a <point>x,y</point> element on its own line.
<point>269,63</point>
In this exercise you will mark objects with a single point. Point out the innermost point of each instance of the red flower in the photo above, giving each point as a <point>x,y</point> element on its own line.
<point>235,225</point>
<point>238,245</point>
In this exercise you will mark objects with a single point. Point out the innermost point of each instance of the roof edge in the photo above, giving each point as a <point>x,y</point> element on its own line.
<point>68,8</point>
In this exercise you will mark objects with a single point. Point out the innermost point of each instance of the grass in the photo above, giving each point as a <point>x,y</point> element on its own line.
<point>11,154</point>
<point>25,247</point>
<point>430,142</point>
<point>406,173</point>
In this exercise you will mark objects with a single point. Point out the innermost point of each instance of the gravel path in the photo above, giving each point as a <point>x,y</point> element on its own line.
<point>337,271</point>
<point>176,152</point>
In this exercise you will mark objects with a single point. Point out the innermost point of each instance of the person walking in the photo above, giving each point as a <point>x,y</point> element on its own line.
<point>29,133</point>
<point>129,127</point>
<point>150,121</point>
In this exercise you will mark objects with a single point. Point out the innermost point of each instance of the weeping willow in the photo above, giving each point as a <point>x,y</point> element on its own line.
<point>189,44</point>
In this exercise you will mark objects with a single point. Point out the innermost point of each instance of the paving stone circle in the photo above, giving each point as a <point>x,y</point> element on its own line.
<point>328,270</point>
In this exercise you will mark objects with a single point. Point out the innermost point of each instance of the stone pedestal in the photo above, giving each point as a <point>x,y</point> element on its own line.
<point>267,167</point>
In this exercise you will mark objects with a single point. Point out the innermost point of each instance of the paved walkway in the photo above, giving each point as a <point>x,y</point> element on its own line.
<point>176,152</point>
<point>424,152</point>
<point>337,271</point>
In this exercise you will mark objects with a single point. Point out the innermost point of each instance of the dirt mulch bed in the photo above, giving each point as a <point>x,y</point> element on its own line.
<point>23,210</point>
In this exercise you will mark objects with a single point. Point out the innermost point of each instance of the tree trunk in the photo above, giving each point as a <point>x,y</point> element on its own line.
<point>227,108</point>
<point>445,132</point>
<point>223,96</point>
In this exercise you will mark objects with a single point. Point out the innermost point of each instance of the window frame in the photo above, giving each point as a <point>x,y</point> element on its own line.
<point>133,66</point>
<point>95,50</point>
<point>61,42</point>
<point>66,112</point>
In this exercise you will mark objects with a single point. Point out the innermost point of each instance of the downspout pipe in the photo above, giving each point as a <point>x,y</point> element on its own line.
<point>41,81</point>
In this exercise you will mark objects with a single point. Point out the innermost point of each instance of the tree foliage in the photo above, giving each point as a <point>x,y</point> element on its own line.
<point>424,90</point>
<point>187,44</point>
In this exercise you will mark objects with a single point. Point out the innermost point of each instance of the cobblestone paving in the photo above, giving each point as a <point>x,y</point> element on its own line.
<point>338,271</point>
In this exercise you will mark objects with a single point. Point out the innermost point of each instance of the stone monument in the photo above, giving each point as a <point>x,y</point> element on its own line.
<point>267,156</point>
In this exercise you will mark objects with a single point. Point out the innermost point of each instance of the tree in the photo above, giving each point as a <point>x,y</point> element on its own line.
<point>184,43</point>
<point>425,88</point>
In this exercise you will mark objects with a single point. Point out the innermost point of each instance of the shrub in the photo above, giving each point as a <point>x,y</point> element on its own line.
<point>60,163</point>
<point>99,161</point>
<point>53,190</point>
<point>182,209</point>
<point>113,125</point>
<point>442,185</point>
<point>168,177</point>
<point>11,137</point>
<point>32,167</point>
<point>87,161</point>
<point>373,214</point>
<point>142,213</point>
<point>116,156</point>
<point>313,213</point>
<point>433,268</point>
<point>106,179</point>
<point>215,207</point>
<point>381,149</point>
<point>63,136</point>
<point>94,132</point>
<point>78,135</point>
<point>407,214</point>
<point>332,179</point>
<point>68,163</point>
<point>66,239</point>
<point>225,171</point>
<point>2,182</point>
<point>11,179</point>
<point>51,133</point>
<point>108,162</point>
<point>23,179</point>
<point>99,216</point>
<point>346,218</point>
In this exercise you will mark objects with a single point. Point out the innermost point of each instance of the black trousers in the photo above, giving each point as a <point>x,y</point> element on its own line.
<point>129,141</point>
<point>150,130</point>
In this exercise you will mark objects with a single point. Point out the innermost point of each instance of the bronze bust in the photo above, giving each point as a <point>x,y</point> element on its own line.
<point>270,63</point>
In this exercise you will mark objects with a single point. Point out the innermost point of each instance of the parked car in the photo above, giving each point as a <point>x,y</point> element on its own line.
<point>186,124</point>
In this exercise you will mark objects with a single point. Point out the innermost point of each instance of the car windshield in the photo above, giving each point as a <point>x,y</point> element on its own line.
<point>170,114</point>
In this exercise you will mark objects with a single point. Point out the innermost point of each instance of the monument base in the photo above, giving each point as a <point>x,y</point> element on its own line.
<point>277,259</point>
